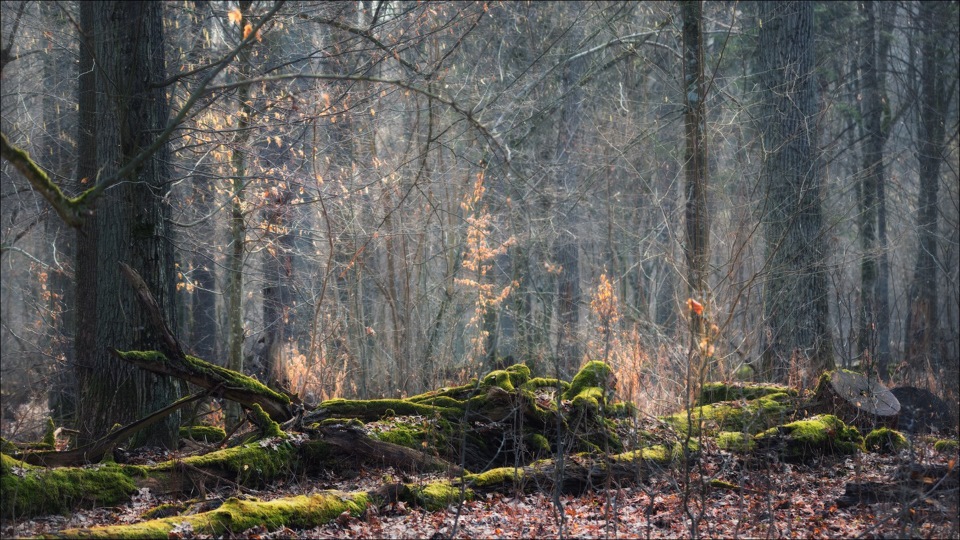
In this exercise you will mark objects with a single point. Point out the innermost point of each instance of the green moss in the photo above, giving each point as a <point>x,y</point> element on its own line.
<point>456,392</point>
<point>593,373</point>
<point>402,434</point>
<point>163,510</point>
<point>752,416</point>
<point>235,515</point>
<point>49,436</point>
<point>590,398</point>
<point>439,495</point>
<point>885,441</point>
<point>717,391</point>
<point>29,491</point>
<point>735,441</point>
<point>376,409</point>
<point>208,434</point>
<point>814,436</point>
<point>622,409</point>
<point>268,427</point>
<point>945,446</point>
<point>500,378</point>
<point>443,401</point>
<point>232,378</point>
<point>537,443</point>
<point>543,382</point>
<point>8,447</point>
<point>501,476</point>
<point>659,454</point>
<point>251,464</point>
<point>519,374</point>
<point>721,484</point>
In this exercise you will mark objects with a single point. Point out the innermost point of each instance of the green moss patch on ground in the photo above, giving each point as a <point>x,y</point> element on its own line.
<point>815,436</point>
<point>946,446</point>
<point>735,441</point>
<point>885,441</point>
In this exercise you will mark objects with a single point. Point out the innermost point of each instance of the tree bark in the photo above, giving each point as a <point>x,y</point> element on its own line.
<point>131,224</point>
<point>922,339</point>
<point>796,309</point>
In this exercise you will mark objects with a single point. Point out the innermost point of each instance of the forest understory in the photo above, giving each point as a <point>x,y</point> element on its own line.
<point>359,469</point>
<point>777,500</point>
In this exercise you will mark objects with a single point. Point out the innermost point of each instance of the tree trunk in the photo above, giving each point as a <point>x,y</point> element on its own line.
<point>795,297</point>
<point>238,229</point>
<point>922,339</point>
<point>697,222</point>
<point>873,334</point>
<point>131,224</point>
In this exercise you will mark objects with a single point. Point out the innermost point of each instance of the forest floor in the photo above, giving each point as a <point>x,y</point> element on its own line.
<point>765,499</point>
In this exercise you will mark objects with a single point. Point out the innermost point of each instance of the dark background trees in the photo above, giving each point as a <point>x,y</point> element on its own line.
<point>368,199</point>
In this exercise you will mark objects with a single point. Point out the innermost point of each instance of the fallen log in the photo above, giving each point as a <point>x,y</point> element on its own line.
<point>229,384</point>
<point>172,361</point>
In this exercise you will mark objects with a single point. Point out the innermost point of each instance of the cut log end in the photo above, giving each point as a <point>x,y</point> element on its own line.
<point>858,400</point>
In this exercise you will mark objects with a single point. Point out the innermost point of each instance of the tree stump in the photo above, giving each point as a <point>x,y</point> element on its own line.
<point>857,400</point>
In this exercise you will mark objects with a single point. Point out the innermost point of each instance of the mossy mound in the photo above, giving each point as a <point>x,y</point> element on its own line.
<point>946,446</point>
<point>715,392</point>
<point>752,416</point>
<point>885,441</point>
<point>592,374</point>
<point>736,441</point>
<point>814,436</point>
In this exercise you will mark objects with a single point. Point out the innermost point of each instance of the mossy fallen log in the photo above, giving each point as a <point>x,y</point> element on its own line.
<point>504,417</point>
<point>750,416</point>
<point>578,473</point>
<point>27,491</point>
<point>811,437</point>
<point>714,392</point>
<point>237,515</point>
<point>234,386</point>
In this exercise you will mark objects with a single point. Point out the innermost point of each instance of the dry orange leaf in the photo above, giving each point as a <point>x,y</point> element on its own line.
<point>235,16</point>
<point>695,306</point>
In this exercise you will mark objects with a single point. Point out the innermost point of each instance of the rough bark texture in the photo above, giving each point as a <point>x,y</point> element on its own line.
<point>795,294</point>
<point>131,223</point>
<point>922,340</point>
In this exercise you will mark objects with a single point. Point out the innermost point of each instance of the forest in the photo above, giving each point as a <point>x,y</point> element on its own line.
<point>449,269</point>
